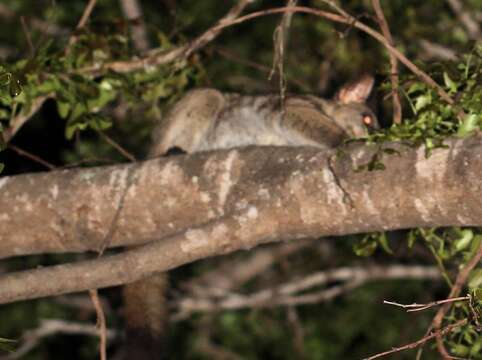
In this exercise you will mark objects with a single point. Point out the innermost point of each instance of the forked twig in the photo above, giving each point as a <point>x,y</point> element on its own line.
<point>437,333</point>
<point>459,283</point>
<point>419,307</point>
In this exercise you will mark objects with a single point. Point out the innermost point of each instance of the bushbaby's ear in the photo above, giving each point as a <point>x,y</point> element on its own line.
<point>356,91</point>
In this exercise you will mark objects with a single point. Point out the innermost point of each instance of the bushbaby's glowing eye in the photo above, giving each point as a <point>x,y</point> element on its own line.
<point>367,120</point>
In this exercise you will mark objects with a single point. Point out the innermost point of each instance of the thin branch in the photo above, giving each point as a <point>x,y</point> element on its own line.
<point>280,40</point>
<point>32,338</point>
<point>436,51</point>
<point>86,14</point>
<point>230,55</point>
<point>36,23</point>
<point>419,307</point>
<point>232,274</point>
<point>456,289</point>
<point>118,147</point>
<point>17,122</point>
<point>397,106</point>
<point>286,294</point>
<point>352,21</point>
<point>213,32</point>
<point>101,325</point>
<point>27,35</point>
<point>156,57</point>
<point>32,157</point>
<point>437,333</point>
<point>83,20</point>
<point>133,12</point>
<point>465,17</point>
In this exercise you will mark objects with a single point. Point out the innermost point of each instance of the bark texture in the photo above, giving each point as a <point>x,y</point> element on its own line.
<point>213,203</point>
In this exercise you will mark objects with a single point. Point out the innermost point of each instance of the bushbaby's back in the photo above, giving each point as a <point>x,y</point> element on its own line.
<point>206,119</point>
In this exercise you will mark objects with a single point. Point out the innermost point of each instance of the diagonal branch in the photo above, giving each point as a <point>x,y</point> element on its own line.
<point>352,21</point>
<point>153,58</point>
<point>156,57</point>
<point>470,24</point>
<point>414,345</point>
<point>18,121</point>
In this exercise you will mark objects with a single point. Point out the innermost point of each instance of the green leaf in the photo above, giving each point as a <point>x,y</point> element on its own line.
<point>422,101</point>
<point>412,237</point>
<point>475,279</point>
<point>383,241</point>
<point>106,94</point>
<point>74,126</point>
<point>63,109</point>
<point>470,123</point>
<point>452,85</point>
<point>78,110</point>
<point>5,79</point>
<point>460,350</point>
<point>52,84</point>
<point>366,247</point>
<point>2,166</point>
<point>416,86</point>
<point>464,241</point>
<point>99,122</point>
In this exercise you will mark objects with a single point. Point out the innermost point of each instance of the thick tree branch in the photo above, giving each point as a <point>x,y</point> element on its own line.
<point>213,203</point>
<point>74,208</point>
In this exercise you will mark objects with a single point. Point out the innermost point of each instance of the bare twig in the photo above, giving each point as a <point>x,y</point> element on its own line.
<point>230,55</point>
<point>86,14</point>
<point>437,333</point>
<point>118,147</point>
<point>280,40</point>
<point>465,17</point>
<point>27,35</point>
<point>94,295</point>
<point>213,32</point>
<point>297,331</point>
<point>459,283</point>
<point>352,21</point>
<point>32,338</point>
<point>83,20</point>
<point>82,302</point>
<point>133,12</point>
<point>437,51</point>
<point>31,156</point>
<point>232,274</point>
<point>156,57</point>
<point>286,294</point>
<point>397,106</point>
<point>37,24</point>
<point>419,307</point>
<point>17,122</point>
